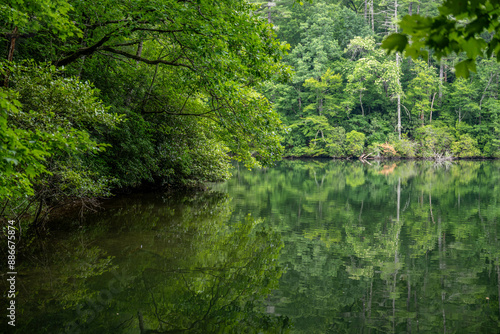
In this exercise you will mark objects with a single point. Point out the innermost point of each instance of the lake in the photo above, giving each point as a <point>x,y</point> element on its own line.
<point>315,246</point>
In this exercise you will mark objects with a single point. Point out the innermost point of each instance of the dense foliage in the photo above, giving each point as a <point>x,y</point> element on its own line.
<point>344,81</point>
<point>113,95</point>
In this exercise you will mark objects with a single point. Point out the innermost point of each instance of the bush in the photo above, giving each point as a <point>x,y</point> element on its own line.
<point>335,140</point>
<point>434,141</point>
<point>492,148</point>
<point>355,143</point>
<point>466,147</point>
<point>69,119</point>
<point>405,148</point>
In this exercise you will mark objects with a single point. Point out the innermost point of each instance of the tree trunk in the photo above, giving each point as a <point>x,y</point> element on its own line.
<point>366,11</point>
<point>12,46</point>
<point>320,106</point>
<point>10,56</point>
<point>399,100</point>
<point>432,105</point>
<point>397,65</point>
<point>441,76</point>
<point>361,104</point>
<point>372,15</point>
<point>139,51</point>
<point>270,4</point>
<point>138,54</point>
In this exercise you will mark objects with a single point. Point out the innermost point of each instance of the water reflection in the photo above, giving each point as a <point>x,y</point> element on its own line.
<point>154,264</point>
<point>306,247</point>
<point>382,248</point>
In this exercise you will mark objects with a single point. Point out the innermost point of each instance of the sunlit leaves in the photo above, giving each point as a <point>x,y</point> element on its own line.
<point>30,17</point>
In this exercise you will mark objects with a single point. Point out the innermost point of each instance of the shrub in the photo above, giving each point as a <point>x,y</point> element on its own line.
<point>355,143</point>
<point>405,148</point>
<point>335,140</point>
<point>466,147</point>
<point>434,141</point>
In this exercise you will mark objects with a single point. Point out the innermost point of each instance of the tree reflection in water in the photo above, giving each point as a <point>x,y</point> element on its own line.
<point>154,264</point>
<point>398,247</point>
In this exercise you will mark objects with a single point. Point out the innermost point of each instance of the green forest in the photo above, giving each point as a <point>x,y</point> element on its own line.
<point>101,97</point>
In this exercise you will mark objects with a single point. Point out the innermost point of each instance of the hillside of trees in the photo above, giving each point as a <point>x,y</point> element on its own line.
<point>108,96</point>
<point>349,98</point>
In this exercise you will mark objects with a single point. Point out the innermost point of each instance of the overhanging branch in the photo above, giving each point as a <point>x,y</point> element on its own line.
<point>82,52</point>
<point>145,60</point>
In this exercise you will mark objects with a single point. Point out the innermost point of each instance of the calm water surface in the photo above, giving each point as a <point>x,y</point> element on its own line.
<point>305,247</point>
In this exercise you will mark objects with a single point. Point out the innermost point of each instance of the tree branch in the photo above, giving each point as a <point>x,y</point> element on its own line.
<point>83,52</point>
<point>145,60</point>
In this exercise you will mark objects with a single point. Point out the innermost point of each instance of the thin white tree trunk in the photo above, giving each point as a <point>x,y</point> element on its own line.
<point>397,65</point>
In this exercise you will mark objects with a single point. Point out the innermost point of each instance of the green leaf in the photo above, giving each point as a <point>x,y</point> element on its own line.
<point>463,68</point>
<point>474,47</point>
<point>395,42</point>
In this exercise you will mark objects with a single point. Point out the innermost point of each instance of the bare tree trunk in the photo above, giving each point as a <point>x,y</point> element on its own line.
<point>270,4</point>
<point>12,46</point>
<point>432,105</point>
<point>399,100</point>
<point>397,65</point>
<point>441,75</point>
<point>372,15</point>
<point>139,51</point>
<point>396,15</point>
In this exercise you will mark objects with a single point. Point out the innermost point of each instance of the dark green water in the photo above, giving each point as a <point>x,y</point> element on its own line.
<point>305,247</point>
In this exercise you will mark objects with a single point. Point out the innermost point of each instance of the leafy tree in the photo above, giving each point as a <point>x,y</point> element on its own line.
<point>462,99</point>
<point>367,70</point>
<point>40,16</point>
<point>322,89</point>
<point>492,146</point>
<point>422,91</point>
<point>21,152</point>
<point>459,27</point>
<point>55,117</point>
<point>218,53</point>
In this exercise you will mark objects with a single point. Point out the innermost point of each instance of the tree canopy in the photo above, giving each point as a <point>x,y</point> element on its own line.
<point>470,26</point>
